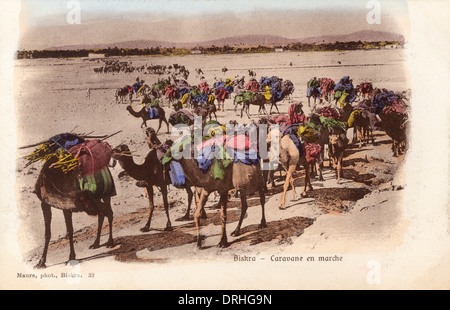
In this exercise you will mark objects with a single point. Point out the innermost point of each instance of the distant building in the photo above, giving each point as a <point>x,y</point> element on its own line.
<point>94,55</point>
<point>278,49</point>
<point>196,51</point>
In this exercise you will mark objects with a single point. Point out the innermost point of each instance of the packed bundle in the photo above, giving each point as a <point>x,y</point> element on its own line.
<point>204,88</point>
<point>181,117</point>
<point>202,99</point>
<point>89,159</point>
<point>384,99</point>
<point>279,119</point>
<point>252,86</point>
<point>366,88</point>
<point>244,96</point>
<point>170,92</point>
<point>327,85</point>
<point>296,114</point>
<point>161,84</point>
<point>329,112</point>
<point>344,91</point>
<point>57,147</point>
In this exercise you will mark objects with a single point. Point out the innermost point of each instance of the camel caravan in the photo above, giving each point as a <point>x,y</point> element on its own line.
<point>75,176</point>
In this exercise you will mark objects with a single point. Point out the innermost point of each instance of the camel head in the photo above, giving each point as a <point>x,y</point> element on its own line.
<point>120,151</point>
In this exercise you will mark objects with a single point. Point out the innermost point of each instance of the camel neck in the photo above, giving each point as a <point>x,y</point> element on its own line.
<point>140,171</point>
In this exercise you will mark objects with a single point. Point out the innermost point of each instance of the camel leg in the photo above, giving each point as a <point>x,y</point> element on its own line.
<point>201,197</point>
<point>69,226</point>
<point>320,163</point>
<point>110,215</point>
<point>262,200</point>
<point>188,211</point>
<point>223,218</point>
<point>291,182</point>
<point>159,126</point>
<point>276,106</point>
<point>149,190</point>
<point>286,184</point>
<point>96,243</point>
<point>339,168</point>
<point>166,208</point>
<point>46,210</point>
<point>244,208</point>
<point>308,187</point>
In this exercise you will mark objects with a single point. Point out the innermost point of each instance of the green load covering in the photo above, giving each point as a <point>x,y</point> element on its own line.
<point>244,96</point>
<point>332,123</point>
<point>101,184</point>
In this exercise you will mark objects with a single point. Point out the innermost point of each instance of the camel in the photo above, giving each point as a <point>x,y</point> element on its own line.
<point>239,176</point>
<point>395,125</point>
<point>315,93</point>
<point>61,190</point>
<point>258,100</point>
<point>151,173</point>
<point>338,142</point>
<point>290,158</point>
<point>122,93</point>
<point>363,130</point>
<point>205,110</point>
<point>144,114</point>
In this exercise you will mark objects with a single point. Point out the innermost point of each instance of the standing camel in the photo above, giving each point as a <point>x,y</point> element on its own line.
<point>239,176</point>
<point>151,173</point>
<point>258,99</point>
<point>290,158</point>
<point>122,93</point>
<point>61,190</point>
<point>145,115</point>
<point>338,142</point>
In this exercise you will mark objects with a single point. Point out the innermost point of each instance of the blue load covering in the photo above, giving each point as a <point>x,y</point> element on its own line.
<point>311,90</point>
<point>248,157</point>
<point>137,86</point>
<point>153,113</point>
<point>66,140</point>
<point>291,130</point>
<point>207,155</point>
<point>380,101</point>
<point>344,85</point>
<point>182,92</point>
<point>176,174</point>
<point>200,99</point>
<point>205,158</point>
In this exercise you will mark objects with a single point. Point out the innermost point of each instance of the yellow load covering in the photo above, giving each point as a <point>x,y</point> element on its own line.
<point>352,118</point>
<point>267,93</point>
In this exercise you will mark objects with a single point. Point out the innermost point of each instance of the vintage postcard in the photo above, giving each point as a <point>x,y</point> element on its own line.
<point>207,144</point>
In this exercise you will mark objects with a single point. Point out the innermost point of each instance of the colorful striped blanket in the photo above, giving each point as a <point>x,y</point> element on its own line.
<point>100,183</point>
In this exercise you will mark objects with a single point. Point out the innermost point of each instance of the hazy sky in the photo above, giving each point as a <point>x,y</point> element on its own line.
<point>44,23</point>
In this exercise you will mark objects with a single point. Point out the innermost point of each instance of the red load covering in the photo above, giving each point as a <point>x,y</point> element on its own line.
<point>93,156</point>
<point>312,152</point>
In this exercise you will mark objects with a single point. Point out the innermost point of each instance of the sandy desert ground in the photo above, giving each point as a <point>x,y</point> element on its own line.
<point>360,219</point>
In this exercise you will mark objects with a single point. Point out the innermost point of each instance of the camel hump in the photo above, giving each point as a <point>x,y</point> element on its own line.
<point>247,177</point>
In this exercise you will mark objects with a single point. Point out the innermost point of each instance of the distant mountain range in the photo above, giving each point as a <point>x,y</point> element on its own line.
<point>244,41</point>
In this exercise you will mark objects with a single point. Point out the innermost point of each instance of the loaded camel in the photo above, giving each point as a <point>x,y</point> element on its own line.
<point>122,93</point>
<point>290,158</point>
<point>61,190</point>
<point>338,142</point>
<point>144,114</point>
<point>258,100</point>
<point>239,176</point>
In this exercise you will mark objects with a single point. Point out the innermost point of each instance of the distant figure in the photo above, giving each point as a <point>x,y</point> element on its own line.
<point>88,93</point>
